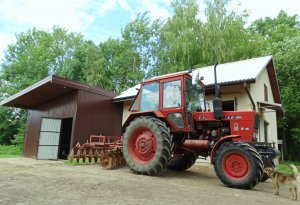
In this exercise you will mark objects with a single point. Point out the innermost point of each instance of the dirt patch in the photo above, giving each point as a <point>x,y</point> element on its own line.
<point>29,181</point>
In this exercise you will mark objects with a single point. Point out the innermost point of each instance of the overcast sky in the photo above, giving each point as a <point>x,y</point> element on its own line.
<point>99,19</point>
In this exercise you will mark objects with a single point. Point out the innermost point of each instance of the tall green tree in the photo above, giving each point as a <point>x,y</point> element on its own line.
<point>225,36</point>
<point>282,39</point>
<point>114,65</point>
<point>142,36</point>
<point>34,55</point>
<point>187,41</point>
<point>180,39</point>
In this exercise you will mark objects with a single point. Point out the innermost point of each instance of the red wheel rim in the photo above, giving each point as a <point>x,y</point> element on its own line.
<point>236,166</point>
<point>142,145</point>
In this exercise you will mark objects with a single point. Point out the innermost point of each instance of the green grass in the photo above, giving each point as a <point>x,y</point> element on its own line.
<point>68,162</point>
<point>10,151</point>
<point>284,167</point>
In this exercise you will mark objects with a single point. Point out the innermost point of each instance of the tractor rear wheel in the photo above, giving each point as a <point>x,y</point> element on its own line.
<point>238,165</point>
<point>181,162</point>
<point>147,145</point>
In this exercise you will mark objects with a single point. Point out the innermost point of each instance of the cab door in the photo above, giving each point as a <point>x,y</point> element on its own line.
<point>172,103</point>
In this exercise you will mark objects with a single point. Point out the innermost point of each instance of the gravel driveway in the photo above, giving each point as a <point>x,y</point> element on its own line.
<point>29,181</point>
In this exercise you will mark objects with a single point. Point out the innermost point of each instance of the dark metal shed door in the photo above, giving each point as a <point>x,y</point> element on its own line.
<point>49,139</point>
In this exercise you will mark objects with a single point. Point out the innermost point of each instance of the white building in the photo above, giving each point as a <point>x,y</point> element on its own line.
<point>245,85</point>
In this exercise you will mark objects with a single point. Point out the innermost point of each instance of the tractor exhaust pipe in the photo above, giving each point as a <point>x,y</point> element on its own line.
<point>217,92</point>
<point>217,102</point>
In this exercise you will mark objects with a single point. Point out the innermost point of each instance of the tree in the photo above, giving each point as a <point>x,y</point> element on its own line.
<point>113,65</point>
<point>33,56</point>
<point>142,36</point>
<point>225,36</point>
<point>188,42</point>
<point>282,39</point>
<point>180,39</point>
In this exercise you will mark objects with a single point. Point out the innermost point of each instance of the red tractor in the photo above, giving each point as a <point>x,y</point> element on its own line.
<point>170,126</point>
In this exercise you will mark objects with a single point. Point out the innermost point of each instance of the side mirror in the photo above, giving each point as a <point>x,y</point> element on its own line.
<point>195,77</point>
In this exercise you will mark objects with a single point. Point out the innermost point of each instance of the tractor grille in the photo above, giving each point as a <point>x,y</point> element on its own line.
<point>256,122</point>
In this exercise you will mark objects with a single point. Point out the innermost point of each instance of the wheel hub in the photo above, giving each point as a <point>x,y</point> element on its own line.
<point>236,166</point>
<point>142,146</point>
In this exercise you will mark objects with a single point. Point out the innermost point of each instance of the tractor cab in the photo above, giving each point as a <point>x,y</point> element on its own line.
<point>173,97</point>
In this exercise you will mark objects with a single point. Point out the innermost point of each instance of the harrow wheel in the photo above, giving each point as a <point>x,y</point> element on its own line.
<point>147,145</point>
<point>238,165</point>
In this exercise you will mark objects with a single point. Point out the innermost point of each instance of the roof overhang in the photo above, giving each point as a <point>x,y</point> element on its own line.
<point>48,89</point>
<point>272,106</point>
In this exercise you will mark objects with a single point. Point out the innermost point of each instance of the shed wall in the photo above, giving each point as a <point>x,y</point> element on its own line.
<point>62,107</point>
<point>96,114</point>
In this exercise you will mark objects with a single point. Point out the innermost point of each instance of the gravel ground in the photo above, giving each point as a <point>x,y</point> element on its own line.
<point>29,181</point>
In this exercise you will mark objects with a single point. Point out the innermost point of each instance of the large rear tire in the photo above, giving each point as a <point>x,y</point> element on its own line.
<point>147,145</point>
<point>181,162</point>
<point>238,165</point>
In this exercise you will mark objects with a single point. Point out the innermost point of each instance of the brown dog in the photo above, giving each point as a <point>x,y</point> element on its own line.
<point>279,178</point>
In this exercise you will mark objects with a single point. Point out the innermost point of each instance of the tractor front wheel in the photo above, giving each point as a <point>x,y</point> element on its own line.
<point>147,145</point>
<point>238,165</point>
<point>181,162</point>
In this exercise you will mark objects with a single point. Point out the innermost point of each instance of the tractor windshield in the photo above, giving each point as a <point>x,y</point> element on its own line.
<point>194,96</point>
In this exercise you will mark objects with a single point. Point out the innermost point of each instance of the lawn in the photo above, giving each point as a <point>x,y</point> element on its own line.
<point>10,151</point>
<point>284,167</point>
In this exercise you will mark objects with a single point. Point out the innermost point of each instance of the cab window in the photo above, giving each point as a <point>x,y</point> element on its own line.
<point>172,94</point>
<point>150,97</point>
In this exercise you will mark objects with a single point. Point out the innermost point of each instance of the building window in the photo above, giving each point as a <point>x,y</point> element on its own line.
<point>228,105</point>
<point>266,92</point>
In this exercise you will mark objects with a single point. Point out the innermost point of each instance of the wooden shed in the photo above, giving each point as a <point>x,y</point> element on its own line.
<point>62,112</point>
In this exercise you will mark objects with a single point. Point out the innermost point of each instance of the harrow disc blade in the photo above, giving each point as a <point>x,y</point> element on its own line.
<point>96,156</point>
<point>71,156</point>
<point>78,156</point>
<point>90,157</point>
<point>84,155</point>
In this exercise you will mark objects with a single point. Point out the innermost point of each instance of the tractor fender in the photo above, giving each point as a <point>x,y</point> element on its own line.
<point>219,143</point>
<point>134,115</point>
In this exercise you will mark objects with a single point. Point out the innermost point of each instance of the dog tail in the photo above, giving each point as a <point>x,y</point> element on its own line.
<point>295,170</point>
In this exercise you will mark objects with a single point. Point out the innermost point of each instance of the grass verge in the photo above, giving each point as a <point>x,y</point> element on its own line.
<point>10,151</point>
<point>284,167</point>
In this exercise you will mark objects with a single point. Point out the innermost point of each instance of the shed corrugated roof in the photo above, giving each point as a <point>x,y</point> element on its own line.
<point>227,73</point>
<point>48,89</point>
